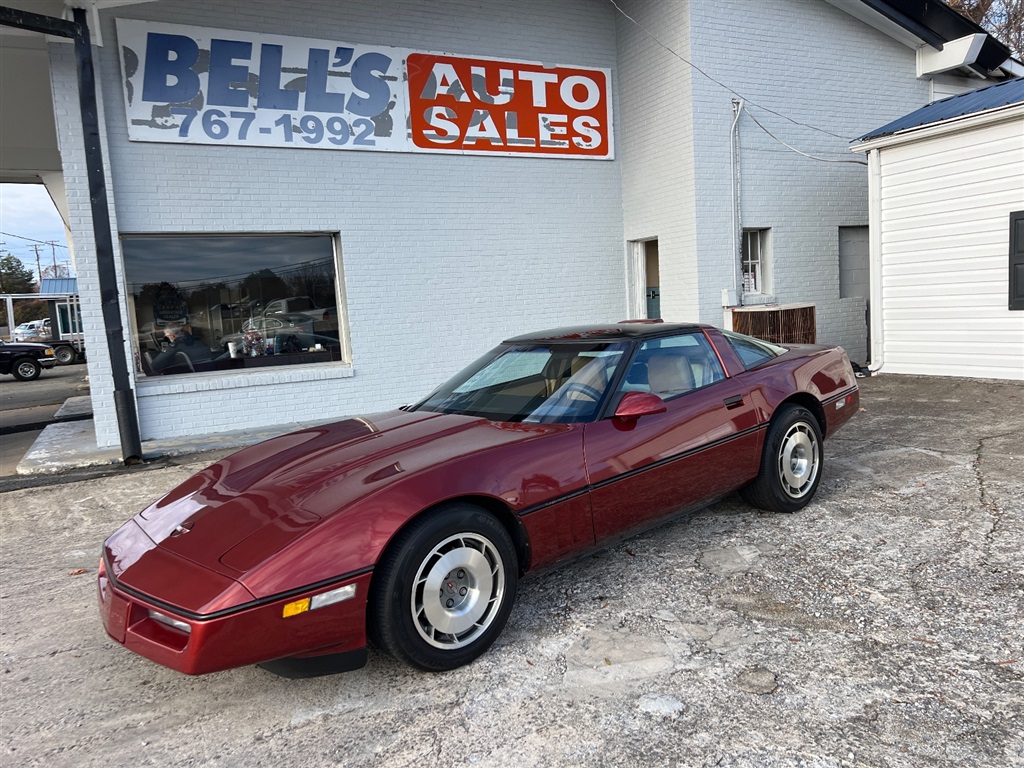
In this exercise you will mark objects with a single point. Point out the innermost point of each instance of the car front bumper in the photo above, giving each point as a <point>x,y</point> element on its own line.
<point>254,633</point>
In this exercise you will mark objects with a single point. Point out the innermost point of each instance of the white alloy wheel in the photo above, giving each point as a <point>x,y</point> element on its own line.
<point>458,590</point>
<point>798,460</point>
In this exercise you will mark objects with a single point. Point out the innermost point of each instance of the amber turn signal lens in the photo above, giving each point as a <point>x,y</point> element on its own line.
<point>294,609</point>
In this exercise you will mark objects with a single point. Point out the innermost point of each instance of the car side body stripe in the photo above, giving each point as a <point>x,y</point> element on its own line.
<point>639,470</point>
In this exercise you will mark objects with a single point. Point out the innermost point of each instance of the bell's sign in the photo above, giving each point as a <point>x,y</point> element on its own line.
<point>211,86</point>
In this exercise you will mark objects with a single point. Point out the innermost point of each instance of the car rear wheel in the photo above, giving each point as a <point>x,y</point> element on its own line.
<point>444,589</point>
<point>26,369</point>
<point>791,462</point>
<point>64,355</point>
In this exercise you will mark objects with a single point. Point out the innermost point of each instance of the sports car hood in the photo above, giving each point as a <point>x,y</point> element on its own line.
<point>240,511</point>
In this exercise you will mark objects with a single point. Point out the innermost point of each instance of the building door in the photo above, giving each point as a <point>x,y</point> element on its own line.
<point>644,273</point>
<point>854,250</point>
<point>652,272</point>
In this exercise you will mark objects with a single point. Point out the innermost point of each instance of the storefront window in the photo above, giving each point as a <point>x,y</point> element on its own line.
<point>225,302</point>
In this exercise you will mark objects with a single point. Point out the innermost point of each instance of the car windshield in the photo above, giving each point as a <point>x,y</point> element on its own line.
<point>541,383</point>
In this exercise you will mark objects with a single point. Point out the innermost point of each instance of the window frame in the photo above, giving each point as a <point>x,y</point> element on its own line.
<point>341,338</point>
<point>703,343</point>
<point>69,318</point>
<point>1015,282</point>
<point>759,266</point>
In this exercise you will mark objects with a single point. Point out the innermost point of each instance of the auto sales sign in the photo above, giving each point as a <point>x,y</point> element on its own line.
<point>210,86</point>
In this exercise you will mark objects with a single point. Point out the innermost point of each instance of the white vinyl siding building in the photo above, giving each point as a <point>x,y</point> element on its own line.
<point>941,199</point>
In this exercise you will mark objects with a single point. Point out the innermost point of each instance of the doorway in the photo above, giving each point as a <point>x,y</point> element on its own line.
<point>854,272</point>
<point>644,279</point>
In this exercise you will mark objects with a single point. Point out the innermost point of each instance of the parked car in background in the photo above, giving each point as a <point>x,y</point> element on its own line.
<point>414,526</point>
<point>34,330</point>
<point>67,349</point>
<point>270,327</point>
<point>25,361</point>
<point>300,305</point>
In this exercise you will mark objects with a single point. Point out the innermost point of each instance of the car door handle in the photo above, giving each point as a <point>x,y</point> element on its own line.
<point>733,402</point>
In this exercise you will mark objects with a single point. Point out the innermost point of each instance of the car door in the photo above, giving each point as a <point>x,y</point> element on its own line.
<point>703,446</point>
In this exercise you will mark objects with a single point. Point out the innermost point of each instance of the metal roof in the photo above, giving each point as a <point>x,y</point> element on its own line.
<point>995,96</point>
<point>65,285</point>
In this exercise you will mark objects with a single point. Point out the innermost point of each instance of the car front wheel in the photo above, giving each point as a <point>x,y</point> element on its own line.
<point>791,462</point>
<point>64,355</point>
<point>26,369</point>
<point>444,588</point>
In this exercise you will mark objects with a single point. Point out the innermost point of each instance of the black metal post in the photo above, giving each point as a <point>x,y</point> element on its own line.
<point>124,397</point>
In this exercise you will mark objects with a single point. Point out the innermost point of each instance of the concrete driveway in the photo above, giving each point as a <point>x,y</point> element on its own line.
<point>881,626</point>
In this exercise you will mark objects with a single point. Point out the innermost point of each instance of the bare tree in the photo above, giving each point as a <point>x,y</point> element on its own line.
<point>1003,18</point>
<point>57,270</point>
<point>975,10</point>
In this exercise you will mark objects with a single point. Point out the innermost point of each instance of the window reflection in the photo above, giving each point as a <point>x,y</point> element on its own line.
<point>212,303</point>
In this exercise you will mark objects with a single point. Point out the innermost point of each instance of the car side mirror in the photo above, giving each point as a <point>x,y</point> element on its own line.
<point>636,404</point>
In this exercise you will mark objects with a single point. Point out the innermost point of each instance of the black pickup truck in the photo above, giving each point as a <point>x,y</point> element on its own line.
<point>25,361</point>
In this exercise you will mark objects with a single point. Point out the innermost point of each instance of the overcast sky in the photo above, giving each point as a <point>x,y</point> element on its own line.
<point>26,211</point>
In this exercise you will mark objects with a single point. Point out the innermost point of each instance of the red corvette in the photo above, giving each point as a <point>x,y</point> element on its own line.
<point>414,526</point>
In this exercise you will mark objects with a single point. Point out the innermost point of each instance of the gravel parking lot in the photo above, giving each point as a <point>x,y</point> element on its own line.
<point>881,626</point>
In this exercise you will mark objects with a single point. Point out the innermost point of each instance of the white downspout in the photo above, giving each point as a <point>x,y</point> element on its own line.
<point>875,256</point>
<point>737,211</point>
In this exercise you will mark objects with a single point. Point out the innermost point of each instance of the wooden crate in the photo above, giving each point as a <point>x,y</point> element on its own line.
<point>780,323</point>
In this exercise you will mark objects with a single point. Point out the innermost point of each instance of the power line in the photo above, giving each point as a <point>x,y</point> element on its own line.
<point>794,149</point>
<point>51,243</point>
<point>721,84</point>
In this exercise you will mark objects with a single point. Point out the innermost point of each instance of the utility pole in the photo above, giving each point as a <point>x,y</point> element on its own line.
<point>39,268</point>
<point>53,250</point>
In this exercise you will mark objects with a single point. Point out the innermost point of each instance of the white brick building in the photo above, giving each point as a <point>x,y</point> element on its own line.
<point>437,255</point>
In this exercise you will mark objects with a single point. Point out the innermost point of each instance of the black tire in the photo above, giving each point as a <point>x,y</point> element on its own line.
<point>26,369</point>
<point>64,355</point>
<point>444,588</point>
<point>791,462</point>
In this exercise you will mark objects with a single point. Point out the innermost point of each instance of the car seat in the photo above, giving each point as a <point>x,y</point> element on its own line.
<point>705,368</point>
<point>669,373</point>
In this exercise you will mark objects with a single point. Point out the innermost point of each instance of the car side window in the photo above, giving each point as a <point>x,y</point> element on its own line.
<point>752,352</point>
<point>673,366</point>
